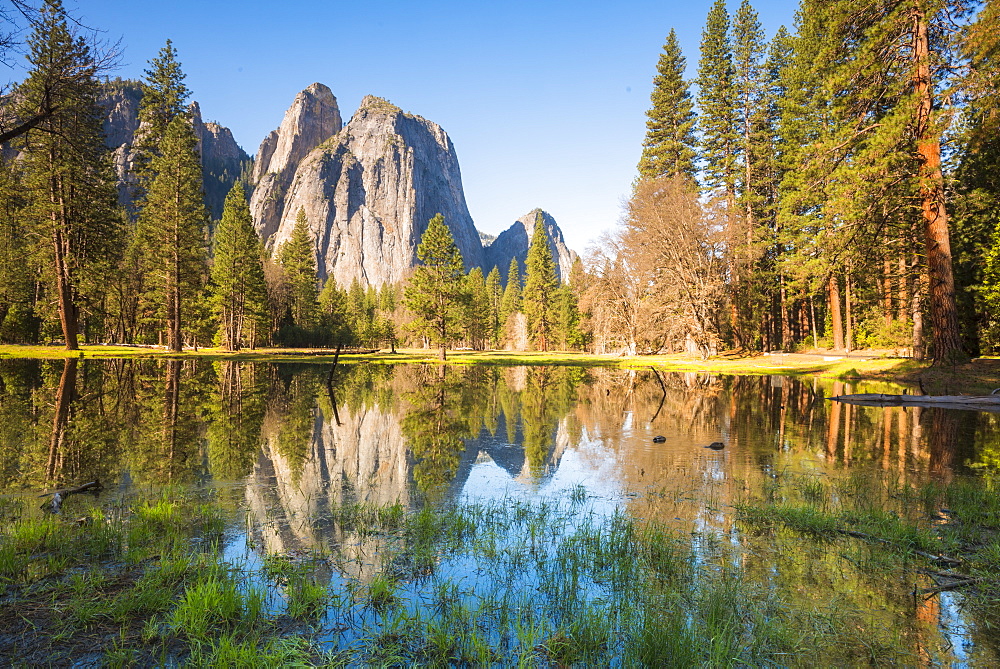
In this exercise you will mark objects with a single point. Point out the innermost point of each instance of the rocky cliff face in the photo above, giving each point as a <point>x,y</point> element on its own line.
<point>515,240</point>
<point>222,159</point>
<point>368,193</point>
<point>312,119</point>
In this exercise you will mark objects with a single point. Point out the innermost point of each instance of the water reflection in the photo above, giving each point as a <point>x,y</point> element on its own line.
<point>292,442</point>
<point>384,433</point>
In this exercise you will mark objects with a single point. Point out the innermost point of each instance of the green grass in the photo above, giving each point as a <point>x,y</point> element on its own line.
<point>500,583</point>
<point>679,362</point>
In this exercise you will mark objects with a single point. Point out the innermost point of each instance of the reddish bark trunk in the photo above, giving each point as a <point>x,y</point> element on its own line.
<point>836,318</point>
<point>64,399</point>
<point>943,311</point>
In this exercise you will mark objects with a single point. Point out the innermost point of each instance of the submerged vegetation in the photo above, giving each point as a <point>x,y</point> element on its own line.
<point>161,578</point>
<point>273,514</point>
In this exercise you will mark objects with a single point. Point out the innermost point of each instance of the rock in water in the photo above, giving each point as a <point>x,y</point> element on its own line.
<point>313,118</point>
<point>514,241</point>
<point>369,192</point>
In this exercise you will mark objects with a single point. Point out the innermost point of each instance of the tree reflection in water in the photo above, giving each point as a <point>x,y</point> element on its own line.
<point>292,448</point>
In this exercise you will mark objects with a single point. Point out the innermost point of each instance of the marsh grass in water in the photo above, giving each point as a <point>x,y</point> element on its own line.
<point>935,536</point>
<point>551,582</point>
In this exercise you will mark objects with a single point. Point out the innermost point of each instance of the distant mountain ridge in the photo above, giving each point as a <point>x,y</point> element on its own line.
<point>368,187</point>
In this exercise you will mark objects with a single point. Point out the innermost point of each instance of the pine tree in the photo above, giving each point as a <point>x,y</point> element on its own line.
<point>977,182</point>
<point>435,291</point>
<point>387,300</point>
<point>476,319</point>
<point>237,276</point>
<point>494,294</point>
<point>669,145</point>
<point>298,258</point>
<point>333,313</point>
<point>751,244</point>
<point>749,96</point>
<point>164,97</point>
<point>567,318</point>
<point>878,68</point>
<point>716,118</point>
<point>68,180</point>
<point>172,229</point>
<point>540,284</point>
<point>511,302</point>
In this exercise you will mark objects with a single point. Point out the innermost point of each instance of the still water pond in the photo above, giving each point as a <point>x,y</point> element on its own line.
<point>283,449</point>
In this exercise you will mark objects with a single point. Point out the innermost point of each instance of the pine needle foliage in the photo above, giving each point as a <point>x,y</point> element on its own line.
<point>540,285</point>
<point>173,225</point>
<point>669,147</point>
<point>298,258</point>
<point>238,288</point>
<point>435,292</point>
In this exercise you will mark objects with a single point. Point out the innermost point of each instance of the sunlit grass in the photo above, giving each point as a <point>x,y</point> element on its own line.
<point>509,582</point>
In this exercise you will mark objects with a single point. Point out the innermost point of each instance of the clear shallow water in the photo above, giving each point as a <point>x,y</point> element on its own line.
<point>280,449</point>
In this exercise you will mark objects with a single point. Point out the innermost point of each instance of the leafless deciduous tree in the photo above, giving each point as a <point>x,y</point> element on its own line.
<point>659,282</point>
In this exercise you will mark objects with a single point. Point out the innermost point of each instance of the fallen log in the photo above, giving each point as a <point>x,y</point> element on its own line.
<point>947,581</point>
<point>938,559</point>
<point>93,486</point>
<point>967,402</point>
<point>59,496</point>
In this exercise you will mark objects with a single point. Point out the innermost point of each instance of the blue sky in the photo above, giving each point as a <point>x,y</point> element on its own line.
<point>544,101</point>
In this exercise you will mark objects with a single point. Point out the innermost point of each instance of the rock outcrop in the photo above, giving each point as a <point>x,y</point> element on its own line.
<point>222,159</point>
<point>515,240</point>
<point>369,192</point>
<point>121,112</point>
<point>312,119</point>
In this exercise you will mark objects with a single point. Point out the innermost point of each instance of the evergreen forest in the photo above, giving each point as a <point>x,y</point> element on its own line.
<point>831,186</point>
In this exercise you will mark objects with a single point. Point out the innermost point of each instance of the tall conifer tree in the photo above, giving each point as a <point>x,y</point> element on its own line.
<point>164,96</point>
<point>749,102</point>
<point>477,310</point>
<point>173,223</point>
<point>669,145</point>
<point>540,284</point>
<point>879,148</point>
<point>69,183</point>
<point>716,119</point>
<point>238,285</point>
<point>510,303</point>
<point>494,293</point>
<point>436,292</point>
<point>298,258</point>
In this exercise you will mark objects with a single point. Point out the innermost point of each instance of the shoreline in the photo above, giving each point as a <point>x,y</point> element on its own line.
<point>979,376</point>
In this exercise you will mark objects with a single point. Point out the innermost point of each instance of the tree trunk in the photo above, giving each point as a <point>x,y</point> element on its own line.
<point>903,296</point>
<point>849,319</point>
<point>812,321</point>
<point>887,292</point>
<point>786,326</point>
<point>944,313</point>
<point>60,251</point>
<point>917,313</point>
<point>64,289</point>
<point>60,419</point>
<point>836,319</point>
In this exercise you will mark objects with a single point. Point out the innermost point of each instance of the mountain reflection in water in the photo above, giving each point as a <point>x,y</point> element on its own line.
<point>285,444</point>
<point>380,434</point>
